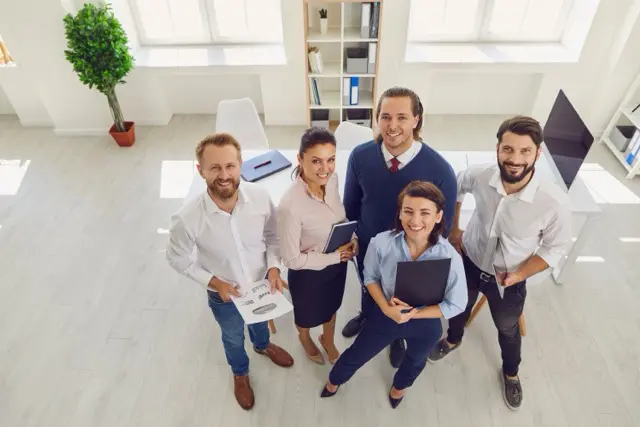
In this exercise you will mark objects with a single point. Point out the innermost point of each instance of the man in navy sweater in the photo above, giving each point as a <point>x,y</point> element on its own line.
<point>377,172</point>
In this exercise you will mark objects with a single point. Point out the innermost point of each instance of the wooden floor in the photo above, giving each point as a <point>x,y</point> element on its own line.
<point>97,330</point>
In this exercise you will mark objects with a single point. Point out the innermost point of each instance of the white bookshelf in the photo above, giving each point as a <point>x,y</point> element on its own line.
<point>344,20</point>
<point>625,116</point>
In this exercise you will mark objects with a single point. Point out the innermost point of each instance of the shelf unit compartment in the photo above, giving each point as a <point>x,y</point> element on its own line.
<point>329,56</point>
<point>328,91</point>
<point>353,20</point>
<point>358,116</point>
<point>359,59</point>
<point>325,118</point>
<point>334,21</point>
<point>365,93</point>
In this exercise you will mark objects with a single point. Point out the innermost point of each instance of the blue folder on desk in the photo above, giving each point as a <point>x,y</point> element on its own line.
<point>264,165</point>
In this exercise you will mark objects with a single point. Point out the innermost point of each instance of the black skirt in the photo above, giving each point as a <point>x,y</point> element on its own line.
<point>316,294</point>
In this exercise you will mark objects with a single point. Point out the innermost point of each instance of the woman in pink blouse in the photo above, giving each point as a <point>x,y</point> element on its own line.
<point>306,214</point>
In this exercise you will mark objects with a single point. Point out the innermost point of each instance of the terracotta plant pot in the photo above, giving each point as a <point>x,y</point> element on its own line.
<point>126,138</point>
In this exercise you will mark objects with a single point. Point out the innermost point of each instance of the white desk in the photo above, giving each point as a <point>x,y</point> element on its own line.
<point>584,208</point>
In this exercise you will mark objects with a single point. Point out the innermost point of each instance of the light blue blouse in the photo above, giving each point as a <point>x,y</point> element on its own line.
<point>387,249</point>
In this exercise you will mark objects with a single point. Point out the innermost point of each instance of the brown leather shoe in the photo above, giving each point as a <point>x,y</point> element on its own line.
<point>277,355</point>
<point>244,393</point>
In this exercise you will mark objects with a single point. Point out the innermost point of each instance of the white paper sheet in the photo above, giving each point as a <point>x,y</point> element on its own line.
<point>258,304</point>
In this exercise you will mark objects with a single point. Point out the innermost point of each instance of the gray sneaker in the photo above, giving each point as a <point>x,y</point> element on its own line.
<point>440,350</point>
<point>511,392</point>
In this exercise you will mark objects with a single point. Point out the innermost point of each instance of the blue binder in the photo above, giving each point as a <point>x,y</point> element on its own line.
<point>264,165</point>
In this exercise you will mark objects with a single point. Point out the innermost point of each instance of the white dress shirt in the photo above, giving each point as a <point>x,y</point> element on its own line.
<point>403,158</point>
<point>237,248</point>
<point>536,220</point>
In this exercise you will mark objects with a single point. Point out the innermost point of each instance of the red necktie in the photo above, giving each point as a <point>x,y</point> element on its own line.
<point>394,164</point>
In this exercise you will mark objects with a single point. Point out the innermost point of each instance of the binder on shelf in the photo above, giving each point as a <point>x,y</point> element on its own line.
<point>365,20</point>
<point>346,90</point>
<point>354,93</point>
<point>371,64</point>
<point>632,152</point>
<point>375,18</point>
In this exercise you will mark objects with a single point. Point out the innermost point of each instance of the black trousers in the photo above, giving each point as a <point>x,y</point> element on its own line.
<point>505,312</point>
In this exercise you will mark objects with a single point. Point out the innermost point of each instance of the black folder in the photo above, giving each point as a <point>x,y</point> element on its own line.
<point>422,283</point>
<point>341,234</point>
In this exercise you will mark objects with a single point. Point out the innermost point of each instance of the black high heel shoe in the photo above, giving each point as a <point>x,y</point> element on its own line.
<point>393,401</point>
<point>326,393</point>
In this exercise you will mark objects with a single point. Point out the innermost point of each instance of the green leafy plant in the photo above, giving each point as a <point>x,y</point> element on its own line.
<point>97,49</point>
<point>323,13</point>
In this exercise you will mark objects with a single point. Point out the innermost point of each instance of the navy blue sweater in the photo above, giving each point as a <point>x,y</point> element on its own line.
<point>371,190</point>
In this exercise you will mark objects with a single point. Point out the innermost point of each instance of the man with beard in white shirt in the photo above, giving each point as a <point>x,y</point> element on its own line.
<point>521,226</point>
<point>233,226</point>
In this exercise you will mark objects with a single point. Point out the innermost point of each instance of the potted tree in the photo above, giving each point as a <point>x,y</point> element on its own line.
<point>97,49</point>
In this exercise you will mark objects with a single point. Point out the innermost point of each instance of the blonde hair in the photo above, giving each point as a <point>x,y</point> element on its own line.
<point>219,140</point>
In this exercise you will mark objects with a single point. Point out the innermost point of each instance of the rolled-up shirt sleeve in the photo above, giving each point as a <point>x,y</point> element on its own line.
<point>466,181</point>
<point>556,237</point>
<point>179,253</point>
<point>456,294</point>
<point>372,273</point>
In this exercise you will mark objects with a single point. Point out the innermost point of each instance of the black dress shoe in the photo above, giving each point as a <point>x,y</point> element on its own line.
<point>396,355</point>
<point>393,401</point>
<point>353,326</point>
<point>326,393</point>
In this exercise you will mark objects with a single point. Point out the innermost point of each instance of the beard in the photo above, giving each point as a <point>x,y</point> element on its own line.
<point>514,179</point>
<point>221,192</point>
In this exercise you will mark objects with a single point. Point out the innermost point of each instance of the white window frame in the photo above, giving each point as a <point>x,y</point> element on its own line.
<point>208,20</point>
<point>481,33</point>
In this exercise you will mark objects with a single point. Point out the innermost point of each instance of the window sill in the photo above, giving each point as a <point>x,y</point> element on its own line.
<point>487,53</point>
<point>211,56</point>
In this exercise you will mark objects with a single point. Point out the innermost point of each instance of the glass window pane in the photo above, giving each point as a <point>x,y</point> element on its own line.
<point>442,18</point>
<point>507,16</point>
<point>188,20</point>
<point>155,19</point>
<point>542,17</point>
<point>525,19</point>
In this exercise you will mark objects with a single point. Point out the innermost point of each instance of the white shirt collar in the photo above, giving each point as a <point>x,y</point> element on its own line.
<point>404,157</point>
<point>211,207</point>
<point>526,194</point>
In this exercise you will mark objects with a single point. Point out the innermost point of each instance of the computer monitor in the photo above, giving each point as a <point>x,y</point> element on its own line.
<point>567,141</point>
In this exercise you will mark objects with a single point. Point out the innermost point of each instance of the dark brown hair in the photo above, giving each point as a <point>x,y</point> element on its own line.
<point>522,125</point>
<point>310,138</point>
<point>219,140</point>
<point>416,106</point>
<point>425,190</point>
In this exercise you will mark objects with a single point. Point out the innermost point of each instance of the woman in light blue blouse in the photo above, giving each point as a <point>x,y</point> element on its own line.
<point>417,236</point>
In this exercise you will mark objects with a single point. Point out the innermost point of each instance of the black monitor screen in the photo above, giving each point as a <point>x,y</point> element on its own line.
<point>567,138</point>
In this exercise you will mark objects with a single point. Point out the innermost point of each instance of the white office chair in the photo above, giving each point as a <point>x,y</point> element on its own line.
<point>239,118</point>
<point>348,135</point>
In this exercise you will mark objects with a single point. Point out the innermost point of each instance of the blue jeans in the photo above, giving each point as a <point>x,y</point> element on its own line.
<point>232,327</point>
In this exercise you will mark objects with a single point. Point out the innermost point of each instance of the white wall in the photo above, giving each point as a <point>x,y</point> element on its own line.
<point>5,104</point>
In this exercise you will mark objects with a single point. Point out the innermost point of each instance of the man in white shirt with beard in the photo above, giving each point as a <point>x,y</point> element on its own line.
<point>233,225</point>
<point>521,226</point>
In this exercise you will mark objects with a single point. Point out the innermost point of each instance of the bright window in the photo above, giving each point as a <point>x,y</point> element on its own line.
<point>488,20</point>
<point>184,22</point>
